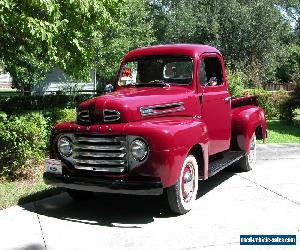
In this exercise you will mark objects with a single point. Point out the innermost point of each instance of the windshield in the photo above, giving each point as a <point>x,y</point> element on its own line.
<point>157,70</point>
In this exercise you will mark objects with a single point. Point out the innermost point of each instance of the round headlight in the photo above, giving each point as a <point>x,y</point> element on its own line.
<point>138,149</point>
<point>64,146</point>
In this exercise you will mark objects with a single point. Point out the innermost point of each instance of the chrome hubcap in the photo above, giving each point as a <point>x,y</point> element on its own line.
<point>188,184</point>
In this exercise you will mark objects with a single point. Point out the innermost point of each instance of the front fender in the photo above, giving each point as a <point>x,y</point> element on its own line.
<point>245,121</point>
<point>169,140</point>
<point>169,133</point>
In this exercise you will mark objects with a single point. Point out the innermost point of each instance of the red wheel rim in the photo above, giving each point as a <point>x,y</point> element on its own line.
<point>188,182</point>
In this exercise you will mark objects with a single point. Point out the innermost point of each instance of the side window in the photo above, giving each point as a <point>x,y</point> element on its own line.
<point>211,71</point>
<point>202,78</point>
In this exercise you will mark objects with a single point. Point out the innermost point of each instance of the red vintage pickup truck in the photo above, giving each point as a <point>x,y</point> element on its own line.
<point>168,122</point>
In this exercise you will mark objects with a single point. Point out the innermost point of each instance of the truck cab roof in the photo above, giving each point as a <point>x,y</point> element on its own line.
<point>191,50</point>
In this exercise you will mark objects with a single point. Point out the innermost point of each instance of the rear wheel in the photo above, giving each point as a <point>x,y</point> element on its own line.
<point>79,195</point>
<point>247,162</point>
<point>182,195</point>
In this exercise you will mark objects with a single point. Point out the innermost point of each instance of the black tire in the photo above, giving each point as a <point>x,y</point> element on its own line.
<point>181,197</point>
<point>79,195</point>
<point>247,162</point>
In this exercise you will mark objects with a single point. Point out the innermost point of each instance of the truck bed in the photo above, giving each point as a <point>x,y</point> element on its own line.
<point>243,101</point>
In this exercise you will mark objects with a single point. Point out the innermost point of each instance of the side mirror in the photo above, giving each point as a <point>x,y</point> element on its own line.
<point>108,88</point>
<point>205,84</point>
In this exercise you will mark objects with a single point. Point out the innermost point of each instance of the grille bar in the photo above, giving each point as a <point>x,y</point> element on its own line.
<point>98,139</point>
<point>102,169</point>
<point>97,148</point>
<point>99,162</point>
<point>106,153</point>
<point>100,155</point>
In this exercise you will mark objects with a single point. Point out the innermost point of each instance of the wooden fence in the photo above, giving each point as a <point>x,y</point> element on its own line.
<point>278,86</point>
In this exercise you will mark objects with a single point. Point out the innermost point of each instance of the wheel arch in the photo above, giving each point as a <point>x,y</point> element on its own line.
<point>259,132</point>
<point>201,156</point>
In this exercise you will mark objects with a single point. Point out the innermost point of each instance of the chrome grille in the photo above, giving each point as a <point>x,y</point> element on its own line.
<point>103,153</point>
<point>111,115</point>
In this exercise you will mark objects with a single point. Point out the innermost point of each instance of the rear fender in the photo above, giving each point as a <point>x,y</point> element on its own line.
<point>245,121</point>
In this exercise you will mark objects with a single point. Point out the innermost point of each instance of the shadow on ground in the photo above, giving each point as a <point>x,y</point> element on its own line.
<point>39,195</point>
<point>113,210</point>
<point>31,247</point>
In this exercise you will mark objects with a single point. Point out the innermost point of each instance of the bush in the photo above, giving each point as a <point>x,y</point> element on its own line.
<point>272,102</point>
<point>19,104</point>
<point>287,111</point>
<point>23,140</point>
<point>289,106</point>
<point>60,115</point>
<point>235,82</point>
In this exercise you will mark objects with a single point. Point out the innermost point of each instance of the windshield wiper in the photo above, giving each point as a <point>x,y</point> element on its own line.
<point>131,85</point>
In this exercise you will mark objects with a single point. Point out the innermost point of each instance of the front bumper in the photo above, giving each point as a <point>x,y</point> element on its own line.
<point>104,186</point>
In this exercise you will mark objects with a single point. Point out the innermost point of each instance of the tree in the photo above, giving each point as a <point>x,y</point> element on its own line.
<point>36,35</point>
<point>250,34</point>
<point>289,68</point>
<point>292,11</point>
<point>135,30</point>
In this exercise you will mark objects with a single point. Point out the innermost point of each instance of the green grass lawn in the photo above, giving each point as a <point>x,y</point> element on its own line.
<point>12,193</point>
<point>282,132</point>
<point>8,92</point>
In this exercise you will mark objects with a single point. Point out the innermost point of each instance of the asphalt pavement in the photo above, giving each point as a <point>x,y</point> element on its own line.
<point>265,200</point>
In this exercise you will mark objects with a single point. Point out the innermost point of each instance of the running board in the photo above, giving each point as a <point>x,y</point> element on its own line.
<point>228,158</point>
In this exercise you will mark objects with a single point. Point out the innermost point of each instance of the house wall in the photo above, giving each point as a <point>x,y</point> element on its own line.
<point>5,81</point>
<point>57,80</point>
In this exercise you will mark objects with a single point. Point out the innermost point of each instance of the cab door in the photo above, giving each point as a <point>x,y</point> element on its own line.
<point>215,99</point>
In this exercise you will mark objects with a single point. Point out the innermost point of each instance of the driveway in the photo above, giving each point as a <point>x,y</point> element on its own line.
<point>265,200</point>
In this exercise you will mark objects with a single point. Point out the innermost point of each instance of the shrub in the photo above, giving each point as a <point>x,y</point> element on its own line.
<point>271,102</point>
<point>235,82</point>
<point>290,105</point>
<point>287,111</point>
<point>3,117</point>
<point>60,115</point>
<point>19,104</point>
<point>23,140</point>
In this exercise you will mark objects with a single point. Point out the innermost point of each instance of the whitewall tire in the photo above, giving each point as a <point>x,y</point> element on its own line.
<point>182,195</point>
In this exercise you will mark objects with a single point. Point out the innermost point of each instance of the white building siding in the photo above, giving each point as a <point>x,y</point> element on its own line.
<point>5,81</point>
<point>57,80</point>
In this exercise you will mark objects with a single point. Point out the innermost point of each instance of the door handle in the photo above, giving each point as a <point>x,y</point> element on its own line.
<point>227,99</point>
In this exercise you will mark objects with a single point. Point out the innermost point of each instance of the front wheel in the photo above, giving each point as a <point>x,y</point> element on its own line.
<point>182,195</point>
<point>247,162</point>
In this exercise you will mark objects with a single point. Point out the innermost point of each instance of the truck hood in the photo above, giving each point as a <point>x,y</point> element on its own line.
<point>133,104</point>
